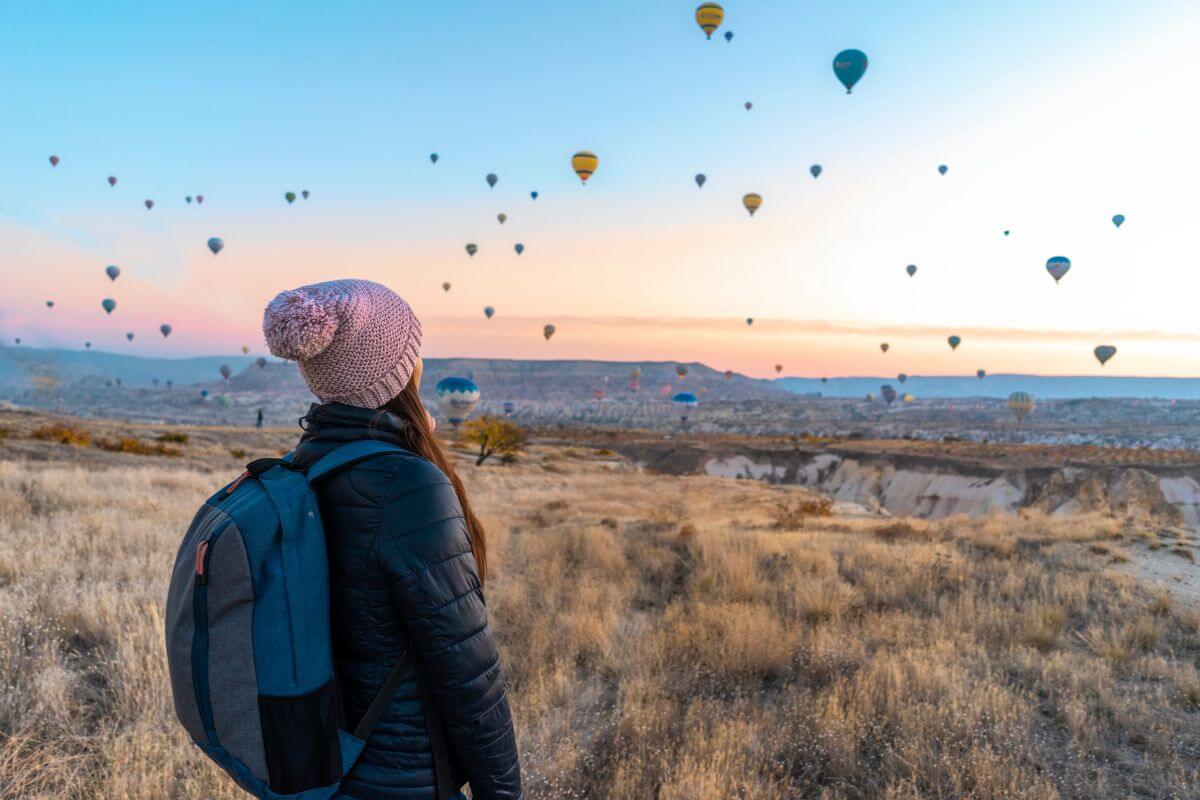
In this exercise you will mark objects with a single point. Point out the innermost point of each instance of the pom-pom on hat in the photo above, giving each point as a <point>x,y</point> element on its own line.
<point>356,341</point>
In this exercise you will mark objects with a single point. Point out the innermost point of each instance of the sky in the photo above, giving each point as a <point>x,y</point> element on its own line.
<point>1052,117</point>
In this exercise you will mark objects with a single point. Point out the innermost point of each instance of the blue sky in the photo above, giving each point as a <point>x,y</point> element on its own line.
<point>1051,116</point>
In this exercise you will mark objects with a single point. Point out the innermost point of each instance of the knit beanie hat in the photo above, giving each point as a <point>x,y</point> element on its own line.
<point>356,342</point>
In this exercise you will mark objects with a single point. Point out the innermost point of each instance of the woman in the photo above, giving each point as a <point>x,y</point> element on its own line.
<point>407,556</point>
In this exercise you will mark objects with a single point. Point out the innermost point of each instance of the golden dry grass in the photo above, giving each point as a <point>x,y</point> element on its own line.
<point>670,638</point>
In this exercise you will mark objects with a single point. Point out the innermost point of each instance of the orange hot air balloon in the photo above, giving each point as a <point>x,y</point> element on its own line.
<point>584,163</point>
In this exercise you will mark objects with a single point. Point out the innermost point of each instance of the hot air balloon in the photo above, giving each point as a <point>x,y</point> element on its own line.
<point>200,199</point>
<point>188,199</point>
<point>226,371</point>
<point>749,321</point>
<point>54,161</point>
<point>216,245</point>
<point>112,271</point>
<point>290,197</point>
<point>870,398</point>
<point>49,304</point>
<point>681,370</point>
<point>204,393</point>
<point>1058,266</point>
<point>165,330</point>
<point>433,157</point>
<point>729,36</point>
<point>502,218</point>
<point>911,269</point>
<point>509,407</point>
<point>943,169</point>
<point>446,286</point>
<point>1020,404</point>
<point>149,204</point>
<point>1006,233</point>
<point>685,403</point>
<point>815,170</point>
<point>472,249</point>
<point>108,304</point>
<point>1118,219</point>
<point>457,398</point>
<point>533,195</point>
<point>700,179</point>
<point>1104,352</point>
<point>261,362</point>
<point>548,331</point>
<point>981,373</point>
<point>752,202</point>
<point>584,163</point>
<point>304,193</point>
<point>129,336</point>
<point>87,345</point>
<point>953,341</point>
<point>884,346</point>
<point>520,248</point>
<point>902,378</point>
<point>887,393</point>
<point>488,311</point>
<point>112,180</point>
<point>708,17</point>
<point>749,105</point>
<point>908,397</point>
<point>491,179</point>
<point>728,374</point>
<point>245,349</point>
<point>17,340</point>
<point>849,66</point>
<point>778,368</point>
<point>824,380</point>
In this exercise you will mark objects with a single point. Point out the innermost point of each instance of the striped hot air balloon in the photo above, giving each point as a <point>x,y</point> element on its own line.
<point>752,202</point>
<point>709,17</point>
<point>1020,404</point>
<point>584,163</point>
<point>457,397</point>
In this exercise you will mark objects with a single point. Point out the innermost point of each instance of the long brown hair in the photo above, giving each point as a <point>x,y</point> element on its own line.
<point>419,438</point>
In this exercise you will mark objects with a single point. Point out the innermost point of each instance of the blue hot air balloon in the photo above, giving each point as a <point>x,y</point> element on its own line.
<point>457,398</point>
<point>491,179</point>
<point>204,392</point>
<point>520,248</point>
<point>112,271</point>
<point>108,304</point>
<point>685,403</point>
<point>700,179</point>
<point>1058,266</point>
<point>815,170</point>
<point>911,269</point>
<point>887,393</point>
<point>433,157</point>
<point>533,195</point>
<point>165,330</point>
<point>509,408</point>
<point>729,36</point>
<point>488,311</point>
<point>849,66</point>
<point>216,245</point>
<point>1118,219</point>
<point>943,169</point>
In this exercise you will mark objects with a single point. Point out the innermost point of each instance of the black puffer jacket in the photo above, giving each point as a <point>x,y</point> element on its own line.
<point>402,574</point>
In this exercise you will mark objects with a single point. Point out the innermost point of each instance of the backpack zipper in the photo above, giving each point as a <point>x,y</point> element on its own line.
<point>200,638</point>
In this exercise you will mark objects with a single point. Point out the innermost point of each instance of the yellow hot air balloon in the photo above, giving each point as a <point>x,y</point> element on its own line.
<point>584,163</point>
<point>752,201</point>
<point>709,17</point>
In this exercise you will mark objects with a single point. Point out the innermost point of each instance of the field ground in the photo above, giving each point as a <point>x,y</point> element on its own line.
<point>665,637</point>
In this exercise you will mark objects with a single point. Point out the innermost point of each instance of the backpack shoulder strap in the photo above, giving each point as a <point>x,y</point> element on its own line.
<point>348,455</point>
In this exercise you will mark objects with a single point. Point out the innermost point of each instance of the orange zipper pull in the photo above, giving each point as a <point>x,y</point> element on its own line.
<point>201,550</point>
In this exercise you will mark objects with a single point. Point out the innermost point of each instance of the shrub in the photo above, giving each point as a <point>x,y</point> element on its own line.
<point>238,453</point>
<point>792,515</point>
<point>173,437</point>
<point>128,444</point>
<point>63,434</point>
<point>897,531</point>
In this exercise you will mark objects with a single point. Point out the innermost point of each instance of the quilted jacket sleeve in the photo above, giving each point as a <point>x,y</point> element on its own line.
<point>425,552</point>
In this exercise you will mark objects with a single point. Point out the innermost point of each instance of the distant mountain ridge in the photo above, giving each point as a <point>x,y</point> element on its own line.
<point>22,368</point>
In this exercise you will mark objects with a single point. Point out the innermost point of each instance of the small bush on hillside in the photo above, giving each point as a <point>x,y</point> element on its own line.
<point>238,453</point>
<point>63,434</point>
<point>173,437</point>
<point>897,532</point>
<point>128,444</point>
<point>789,516</point>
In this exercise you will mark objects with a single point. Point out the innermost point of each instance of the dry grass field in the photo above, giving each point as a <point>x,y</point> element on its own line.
<point>669,638</point>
